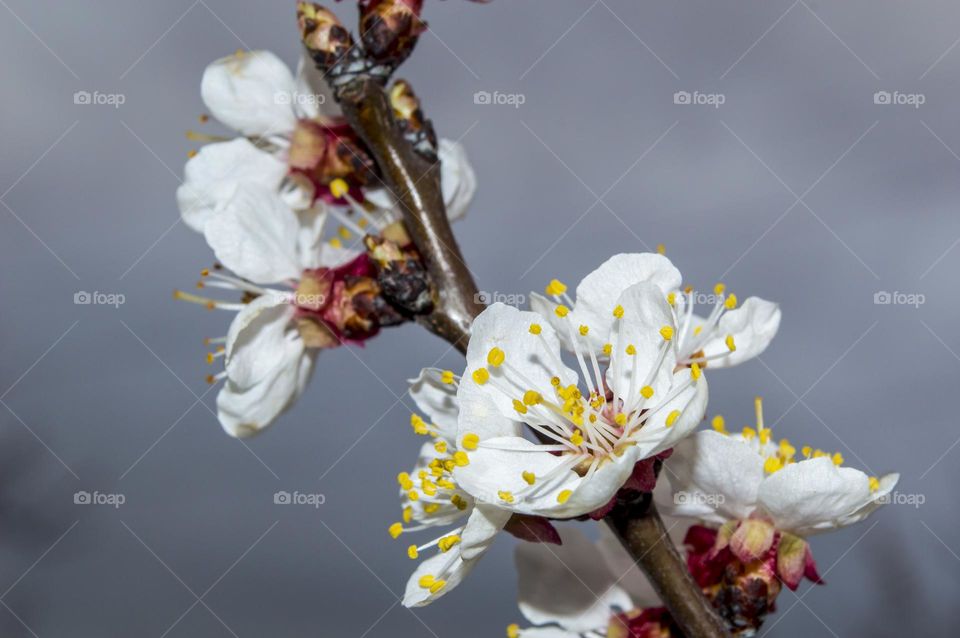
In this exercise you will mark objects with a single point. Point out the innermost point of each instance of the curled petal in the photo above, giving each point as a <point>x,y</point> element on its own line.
<point>251,92</point>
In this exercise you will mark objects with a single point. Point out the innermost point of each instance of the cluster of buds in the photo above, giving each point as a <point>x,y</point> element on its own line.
<point>342,305</point>
<point>741,567</point>
<point>401,275</point>
<point>416,129</point>
<point>324,156</point>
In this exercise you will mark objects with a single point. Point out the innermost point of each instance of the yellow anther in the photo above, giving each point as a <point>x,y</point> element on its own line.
<point>561,311</point>
<point>505,496</point>
<point>339,188</point>
<point>577,437</point>
<point>519,406</point>
<point>555,381</point>
<point>532,397</point>
<point>837,458</point>
<point>564,496</point>
<point>719,289</point>
<point>413,553</point>
<point>749,433</point>
<point>407,514</point>
<point>426,581</point>
<point>672,298</point>
<point>618,312</point>
<point>667,333</point>
<point>555,287</point>
<point>404,480</point>
<point>719,424</point>
<point>513,631</point>
<point>447,377</point>
<point>787,451</point>
<point>772,464</point>
<point>607,349</point>
<point>496,357</point>
<point>819,454</point>
<point>447,542</point>
<point>437,586</point>
<point>874,484</point>
<point>672,418</point>
<point>480,376</point>
<point>395,530</point>
<point>806,450</point>
<point>429,487</point>
<point>646,391</point>
<point>460,459</point>
<point>470,441</point>
<point>191,153</point>
<point>620,419</point>
<point>731,345</point>
<point>529,477</point>
<point>440,446</point>
<point>535,328</point>
<point>413,495</point>
<point>362,223</point>
<point>661,249</point>
<point>631,349</point>
<point>695,372</point>
<point>344,232</point>
<point>688,289</point>
<point>730,302</point>
<point>765,435</point>
<point>336,243</point>
<point>697,330</point>
<point>584,330</point>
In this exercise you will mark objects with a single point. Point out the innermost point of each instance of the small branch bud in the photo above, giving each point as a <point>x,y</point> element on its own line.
<point>389,29</point>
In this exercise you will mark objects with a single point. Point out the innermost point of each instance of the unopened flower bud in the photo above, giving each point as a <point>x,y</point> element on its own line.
<point>400,272</point>
<point>325,37</point>
<point>389,29</point>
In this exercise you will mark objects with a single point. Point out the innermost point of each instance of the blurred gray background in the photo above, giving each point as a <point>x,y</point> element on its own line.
<point>798,188</point>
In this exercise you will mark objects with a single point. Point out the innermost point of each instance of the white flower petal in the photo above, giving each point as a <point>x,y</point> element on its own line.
<point>813,495</point>
<point>568,584</point>
<point>258,340</point>
<point>483,525</point>
<point>753,326</point>
<point>457,179</point>
<point>877,498</point>
<point>532,356</point>
<point>479,414</point>
<point>212,175</point>
<point>311,249</point>
<point>438,400</point>
<point>656,436</point>
<point>453,568</point>
<point>645,312</point>
<point>711,477</point>
<point>256,236</point>
<point>246,411</point>
<point>313,97</point>
<point>600,291</point>
<point>497,467</point>
<point>250,92</point>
